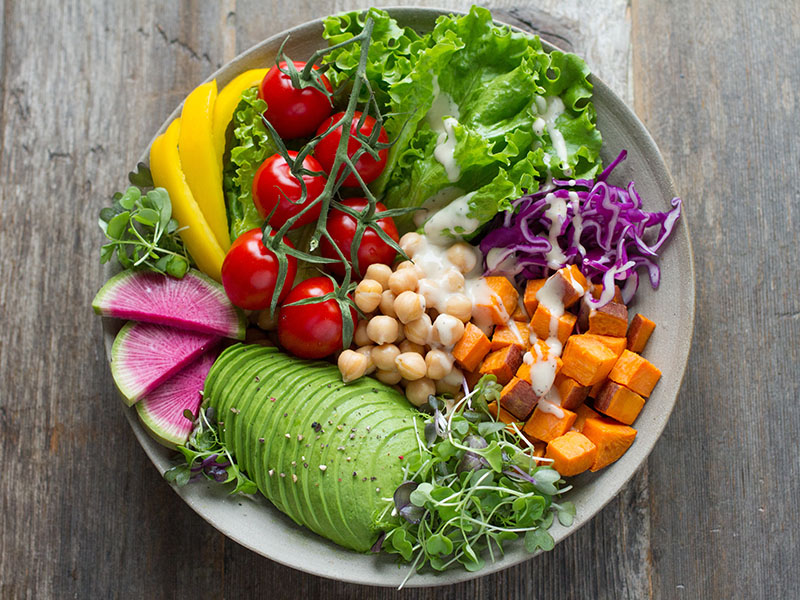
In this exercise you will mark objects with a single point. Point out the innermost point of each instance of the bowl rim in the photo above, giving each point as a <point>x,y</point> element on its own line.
<point>613,104</point>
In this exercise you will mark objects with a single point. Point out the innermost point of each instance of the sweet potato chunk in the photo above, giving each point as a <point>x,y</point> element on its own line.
<point>529,299</point>
<point>573,283</point>
<point>635,373</point>
<point>547,426</point>
<point>615,344</point>
<point>572,453</point>
<point>503,363</point>
<point>572,393</point>
<point>618,402</point>
<point>610,319</point>
<point>518,398</point>
<point>595,389</point>
<point>520,314</point>
<point>471,349</point>
<point>500,302</point>
<point>584,412</point>
<point>639,332</point>
<point>509,335</point>
<point>611,438</point>
<point>540,324</point>
<point>586,360</point>
<point>524,371</point>
<point>502,415</point>
<point>597,291</point>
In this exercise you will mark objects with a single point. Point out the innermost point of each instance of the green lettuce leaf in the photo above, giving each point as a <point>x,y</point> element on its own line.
<point>251,146</point>
<point>504,91</point>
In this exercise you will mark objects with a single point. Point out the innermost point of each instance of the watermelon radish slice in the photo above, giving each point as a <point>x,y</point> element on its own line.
<point>195,303</point>
<point>144,356</point>
<point>162,410</point>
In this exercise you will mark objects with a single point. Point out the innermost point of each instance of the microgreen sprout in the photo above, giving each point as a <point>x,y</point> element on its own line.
<point>456,511</point>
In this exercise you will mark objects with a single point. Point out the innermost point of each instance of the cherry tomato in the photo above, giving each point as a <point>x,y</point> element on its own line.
<point>274,185</point>
<point>367,167</point>
<point>372,249</point>
<point>311,330</point>
<point>293,113</point>
<point>250,271</point>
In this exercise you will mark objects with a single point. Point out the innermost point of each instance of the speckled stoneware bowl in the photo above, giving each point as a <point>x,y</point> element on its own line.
<point>257,525</point>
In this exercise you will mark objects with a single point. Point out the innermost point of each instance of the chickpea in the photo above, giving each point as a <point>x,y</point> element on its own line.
<point>388,377</point>
<point>453,280</point>
<point>462,256</point>
<point>455,378</point>
<point>407,264</point>
<point>387,303</point>
<point>360,336</point>
<point>383,356</point>
<point>382,329</point>
<point>447,330</point>
<point>409,346</point>
<point>411,243</point>
<point>442,387</point>
<point>411,365</point>
<point>403,280</point>
<point>352,365</point>
<point>439,364</point>
<point>419,331</point>
<point>380,273</point>
<point>459,306</point>
<point>409,306</point>
<point>267,321</point>
<point>368,295</point>
<point>367,351</point>
<point>418,391</point>
<point>401,335</point>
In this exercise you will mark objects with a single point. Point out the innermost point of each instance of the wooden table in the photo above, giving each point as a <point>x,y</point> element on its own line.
<point>714,512</point>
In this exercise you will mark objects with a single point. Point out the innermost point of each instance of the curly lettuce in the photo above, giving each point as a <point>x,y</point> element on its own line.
<point>480,114</point>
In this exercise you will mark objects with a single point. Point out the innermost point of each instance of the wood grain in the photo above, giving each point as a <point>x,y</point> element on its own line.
<point>85,85</point>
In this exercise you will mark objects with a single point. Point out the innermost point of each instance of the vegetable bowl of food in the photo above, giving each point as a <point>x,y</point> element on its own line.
<point>398,298</point>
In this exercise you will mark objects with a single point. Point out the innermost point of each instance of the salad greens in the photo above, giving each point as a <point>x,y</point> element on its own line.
<point>470,488</point>
<point>472,107</point>
<point>141,229</point>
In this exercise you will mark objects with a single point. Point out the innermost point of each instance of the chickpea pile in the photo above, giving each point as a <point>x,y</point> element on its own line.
<point>403,339</point>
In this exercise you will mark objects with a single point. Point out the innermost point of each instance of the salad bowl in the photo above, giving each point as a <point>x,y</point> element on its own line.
<point>255,524</point>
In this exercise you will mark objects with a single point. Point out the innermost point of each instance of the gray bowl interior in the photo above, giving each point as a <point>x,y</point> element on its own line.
<point>256,524</point>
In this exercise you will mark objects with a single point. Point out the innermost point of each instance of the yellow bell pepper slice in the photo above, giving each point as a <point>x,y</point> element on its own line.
<point>199,160</point>
<point>228,100</point>
<point>165,166</point>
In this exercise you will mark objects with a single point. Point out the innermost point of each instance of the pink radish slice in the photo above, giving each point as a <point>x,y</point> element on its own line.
<point>195,303</point>
<point>162,410</point>
<point>145,355</point>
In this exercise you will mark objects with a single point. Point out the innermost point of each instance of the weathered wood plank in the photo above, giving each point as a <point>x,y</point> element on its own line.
<point>717,86</point>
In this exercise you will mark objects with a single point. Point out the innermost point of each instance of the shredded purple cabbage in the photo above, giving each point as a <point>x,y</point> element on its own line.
<point>603,234</point>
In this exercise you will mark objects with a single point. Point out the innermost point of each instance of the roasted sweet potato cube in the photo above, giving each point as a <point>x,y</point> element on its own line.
<point>502,415</point>
<point>546,426</point>
<point>584,412</point>
<point>615,344</point>
<point>518,334</point>
<point>586,360</point>
<point>639,332</point>
<point>503,363</point>
<point>524,371</point>
<point>572,393</point>
<point>609,319</point>
<point>635,373</point>
<point>539,449</point>
<point>595,389</point>
<point>618,402</point>
<point>572,453</point>
<point>498,301</point>
<point>518,398</point>
<point>471,349</point>
<point>472,377</point>
<point>520,314</point>
<point>611,438</point>
<point>529,299</point>
<point>597,291</point>
<point>573,283</point>
<point>542,318</point>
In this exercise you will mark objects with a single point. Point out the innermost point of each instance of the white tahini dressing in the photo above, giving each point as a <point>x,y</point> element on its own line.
<point>550,108</point>
<point>445,149</point>
<point>557,213</point>
<point>453,219</point>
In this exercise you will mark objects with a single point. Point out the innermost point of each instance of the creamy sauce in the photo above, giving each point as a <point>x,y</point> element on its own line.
<point>454,220</point>
<point>436,202</point>
<point>445,150</point>
<point>577,220</point>
<point>550,108</point>
<point>557,213</point>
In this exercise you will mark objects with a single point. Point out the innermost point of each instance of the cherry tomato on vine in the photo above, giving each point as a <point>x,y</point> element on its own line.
<point>275,186</point>
<point>367,167</point>
<point>372,248</point>
<point>250,272</point>
<point>311,330</point>
<point>293,113</point>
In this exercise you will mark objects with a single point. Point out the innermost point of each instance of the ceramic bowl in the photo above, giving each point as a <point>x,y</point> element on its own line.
<point>257,525</point>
